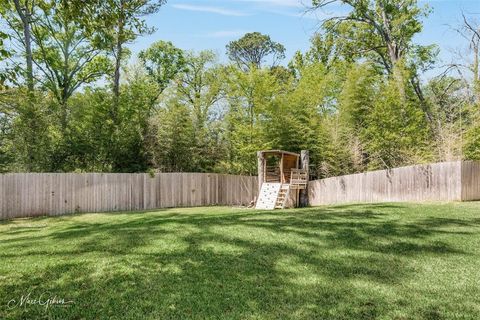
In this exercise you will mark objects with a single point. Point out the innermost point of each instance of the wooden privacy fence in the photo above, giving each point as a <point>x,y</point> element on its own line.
<point>447,181</point>
<point>33,194</point>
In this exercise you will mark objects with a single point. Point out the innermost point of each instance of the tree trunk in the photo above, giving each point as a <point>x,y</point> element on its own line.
<point>393,50</point>
<point>31,137</point>
<point>63,116</point>
<point>116,83</point>
<point>395,54</point>
<point>118,63</point>
<point>25,16</point>
<point>114,154</point>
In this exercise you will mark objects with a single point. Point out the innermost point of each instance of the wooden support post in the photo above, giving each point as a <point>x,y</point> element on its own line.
<point>282,180</point>
<point>261,170</point>
<point>304,163</point>
<point>297,192</point>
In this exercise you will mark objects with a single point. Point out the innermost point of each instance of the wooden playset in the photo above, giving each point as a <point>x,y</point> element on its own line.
<point>282,179</point>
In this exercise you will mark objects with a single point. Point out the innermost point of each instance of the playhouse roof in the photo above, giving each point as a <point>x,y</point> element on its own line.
<point>280,152</point>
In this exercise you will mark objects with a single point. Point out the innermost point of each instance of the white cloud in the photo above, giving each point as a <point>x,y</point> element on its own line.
<point>291,8</point>
<point>279,3</point>
<point>210,9</point>
<point>227,34</point>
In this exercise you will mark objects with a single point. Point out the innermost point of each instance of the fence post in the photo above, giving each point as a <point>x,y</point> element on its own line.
<point>304,164</point>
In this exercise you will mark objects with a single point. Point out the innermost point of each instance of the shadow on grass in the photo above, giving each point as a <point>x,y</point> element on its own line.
<point>291,264</point>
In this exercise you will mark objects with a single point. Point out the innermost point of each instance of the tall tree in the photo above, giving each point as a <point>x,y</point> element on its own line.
<point>19,16</point>
<point>250,94</point>
<point>136,107</point>
<point>471,32</point>
<point>191,97</point>
<point>163,62</point>
<point>469,70</point>
<point>24,10</point>
<point>397,132</point>
<point>67,54</point>
<point>450,98</point>
<point>199,88</point>
<point>253,48</point>
<point>172,132</point>
<point>383,31</point>
<point>324,49</point>
<point>383,27</point>
<point>123,21</point>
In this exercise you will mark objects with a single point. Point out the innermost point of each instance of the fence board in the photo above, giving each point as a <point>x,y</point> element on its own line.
<point>33,194</point>
<point>433,182</point>
<point>470,180</point>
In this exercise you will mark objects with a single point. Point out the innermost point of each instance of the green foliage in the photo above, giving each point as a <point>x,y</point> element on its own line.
<point>163,61</point>
<point>6,134</point>
<point>324,49</point>
<point>251,95</point>
<point>26,135</point>
<point>299,124</point>
<point>89,146</point>
<point>65,54</point>
<point>185,133</point>
<point>137,106</point>
<point>199,88</point>
<point>253,48</point>
<point>354,99</point>
<point>174,135</point>
<point>381,29</point>
<point>120,21</point>
<point>358,95</point>
<point>340,149</point>
<point>3,54</point>
<point>471,146</point>
<point>397,133</point>
<point>448,98</point>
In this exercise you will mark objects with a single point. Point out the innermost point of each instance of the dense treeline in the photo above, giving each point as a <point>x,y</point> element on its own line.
<point>74,99</point>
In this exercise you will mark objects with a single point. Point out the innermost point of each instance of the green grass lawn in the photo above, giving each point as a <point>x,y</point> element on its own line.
<point>385,261</point>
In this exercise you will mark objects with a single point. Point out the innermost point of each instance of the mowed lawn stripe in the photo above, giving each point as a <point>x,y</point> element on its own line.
<point>376,261</point>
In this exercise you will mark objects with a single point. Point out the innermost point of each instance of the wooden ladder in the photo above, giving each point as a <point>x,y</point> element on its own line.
<point>299,179</point>
<point>283,196</point>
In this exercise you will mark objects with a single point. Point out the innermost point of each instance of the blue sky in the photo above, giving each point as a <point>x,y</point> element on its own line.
<point>211,24</point>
